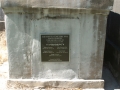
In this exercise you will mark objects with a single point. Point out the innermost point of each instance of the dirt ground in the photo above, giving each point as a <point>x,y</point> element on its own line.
<point>3,56</point>
<point>3,61</point>
<point>3,48</point>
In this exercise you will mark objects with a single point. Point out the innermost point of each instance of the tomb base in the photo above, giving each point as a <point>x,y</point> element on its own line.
<point>48,84</point>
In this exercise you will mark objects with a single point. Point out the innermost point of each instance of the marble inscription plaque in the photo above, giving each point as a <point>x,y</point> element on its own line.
<point>54,48</point>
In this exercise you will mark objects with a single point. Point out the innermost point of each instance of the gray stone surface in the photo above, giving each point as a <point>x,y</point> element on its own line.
<point>85,26</point>
<point>87,36</point>
<point>110,82</point>
<point>94,4</point>
<point>63,84</point>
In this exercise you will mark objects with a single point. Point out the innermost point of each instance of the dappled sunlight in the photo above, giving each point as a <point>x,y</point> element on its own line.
<point>3,48</point>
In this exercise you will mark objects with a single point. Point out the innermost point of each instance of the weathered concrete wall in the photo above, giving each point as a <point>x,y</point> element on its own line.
<point>116,6</point>
<point>83,20</point>
<point>94,4</point>
<point>87,35</point>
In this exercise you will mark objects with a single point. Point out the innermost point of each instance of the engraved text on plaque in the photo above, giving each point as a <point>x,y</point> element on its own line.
<point>54,48</point>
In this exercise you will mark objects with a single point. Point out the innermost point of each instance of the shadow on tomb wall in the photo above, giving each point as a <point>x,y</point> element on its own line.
<point>2,23</point>
<point>112,45</point>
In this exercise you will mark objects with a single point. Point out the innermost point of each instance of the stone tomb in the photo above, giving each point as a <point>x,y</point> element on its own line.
<point>56,43</point>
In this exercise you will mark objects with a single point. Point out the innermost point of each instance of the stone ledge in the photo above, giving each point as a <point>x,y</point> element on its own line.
<point>33,84</point>
<point>55,11</point>
<point>99,4</point>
